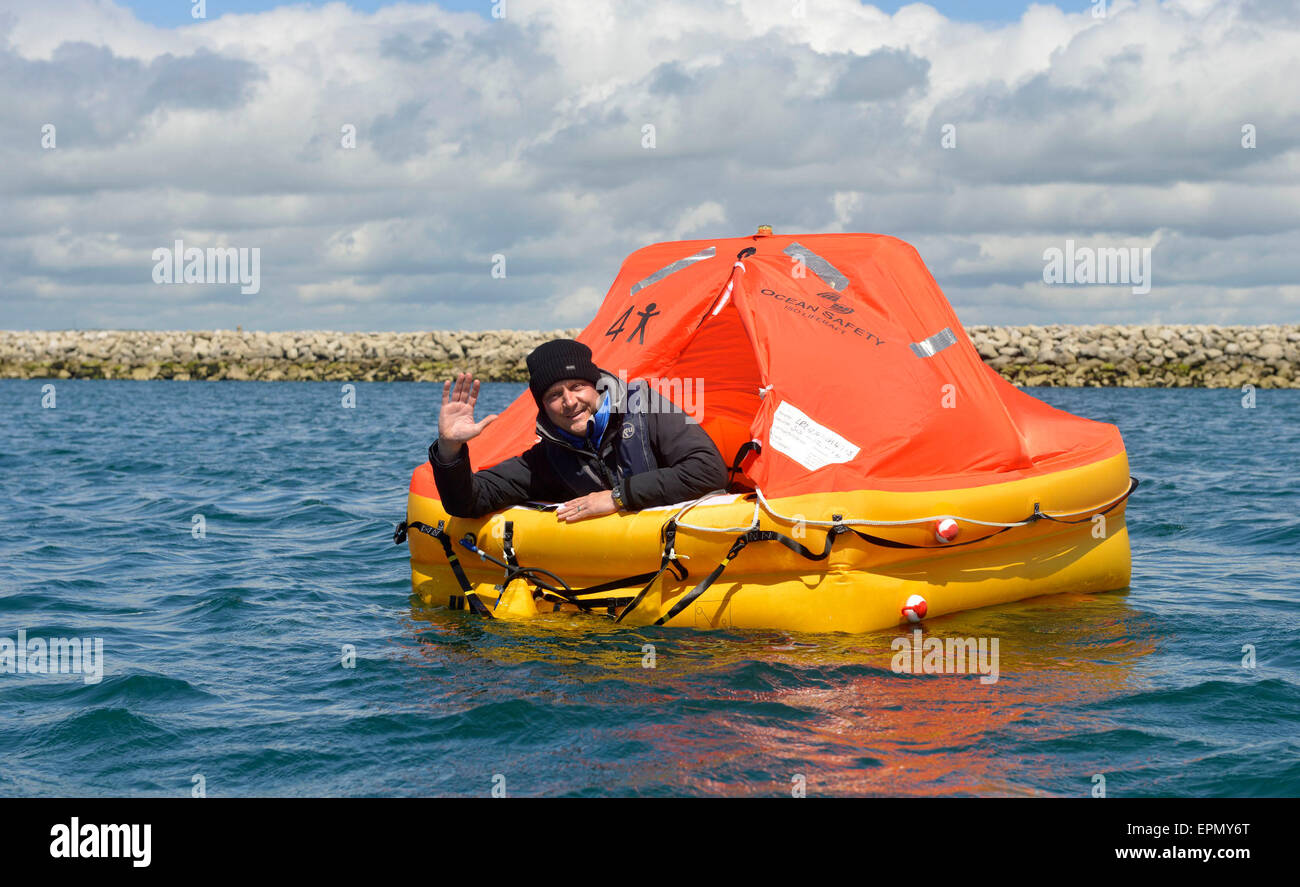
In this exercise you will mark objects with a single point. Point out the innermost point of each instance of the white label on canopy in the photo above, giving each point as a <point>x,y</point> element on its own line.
<point>811,445</point>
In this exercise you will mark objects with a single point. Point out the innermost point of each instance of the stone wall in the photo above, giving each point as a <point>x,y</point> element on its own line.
<point>1131,356</point>
<point>1144,356</point>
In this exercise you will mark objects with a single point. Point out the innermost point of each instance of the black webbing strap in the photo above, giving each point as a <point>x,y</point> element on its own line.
<point>749,446</point>
<point>703,586</point>
<point>890,543</point>
<point>839,530</point>
<point>507,549</point>
<point>528,573</point>
<point>471,596</point>
<point>669,559</point>
<point>590,596</point>
<point>611,604</point>
<point>508,545</point>
<point>1132,485</point>
<point>583,597</point>
<point>798,548</point>
<point>628,581</point>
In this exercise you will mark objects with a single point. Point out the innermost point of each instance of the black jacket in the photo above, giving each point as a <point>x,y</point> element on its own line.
<point>553,470</point>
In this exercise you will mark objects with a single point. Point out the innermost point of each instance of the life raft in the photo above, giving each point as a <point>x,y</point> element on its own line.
<point>797,564</point>
<point>882,472</point>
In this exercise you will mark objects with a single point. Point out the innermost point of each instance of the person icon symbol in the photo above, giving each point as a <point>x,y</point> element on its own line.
<point>645,316</point>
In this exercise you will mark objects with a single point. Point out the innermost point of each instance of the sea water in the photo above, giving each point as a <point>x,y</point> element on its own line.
<point>229,547</point>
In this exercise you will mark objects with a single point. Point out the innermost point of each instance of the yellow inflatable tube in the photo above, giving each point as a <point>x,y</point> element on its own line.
<point>861,586</point>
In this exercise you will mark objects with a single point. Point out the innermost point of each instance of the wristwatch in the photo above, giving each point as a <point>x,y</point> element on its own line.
<point>618,497</point>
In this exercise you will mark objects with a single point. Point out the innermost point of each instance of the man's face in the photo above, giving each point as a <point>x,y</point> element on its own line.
<point>569,403</point>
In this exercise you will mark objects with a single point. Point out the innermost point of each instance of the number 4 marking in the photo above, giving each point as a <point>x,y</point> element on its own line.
<point>617,326</point>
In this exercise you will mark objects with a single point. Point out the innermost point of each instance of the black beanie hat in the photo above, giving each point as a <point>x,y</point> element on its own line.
<point>559,359</point>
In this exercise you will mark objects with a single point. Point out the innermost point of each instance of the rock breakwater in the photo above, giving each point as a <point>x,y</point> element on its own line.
<point>1076,356</point>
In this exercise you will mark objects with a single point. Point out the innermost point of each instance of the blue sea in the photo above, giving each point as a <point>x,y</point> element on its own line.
<point>228,542</point>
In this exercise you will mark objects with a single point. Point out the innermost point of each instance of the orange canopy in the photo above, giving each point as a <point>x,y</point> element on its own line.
<point>838,353</point>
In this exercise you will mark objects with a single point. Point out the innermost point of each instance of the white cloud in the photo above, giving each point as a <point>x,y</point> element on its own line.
<point>575,308</point>
<point>699,221</point>
<point>524,137</point>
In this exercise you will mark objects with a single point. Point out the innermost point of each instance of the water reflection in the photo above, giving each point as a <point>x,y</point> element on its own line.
<point>742,712</point>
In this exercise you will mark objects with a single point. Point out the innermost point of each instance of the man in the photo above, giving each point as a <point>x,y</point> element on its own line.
<point>604,447</point>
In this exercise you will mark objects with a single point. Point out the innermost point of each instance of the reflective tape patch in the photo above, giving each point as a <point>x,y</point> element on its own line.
<point>659,275</point>
<point>819,266</point>
<point>936,343</point>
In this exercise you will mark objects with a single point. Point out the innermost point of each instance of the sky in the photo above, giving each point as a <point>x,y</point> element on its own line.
<point>380,156</point>
<point>171,13</point>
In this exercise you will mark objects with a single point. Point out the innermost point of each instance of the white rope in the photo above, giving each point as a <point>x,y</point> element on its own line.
<point>863,522</point>
<point>764,505</point>
<point>677,518</point>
